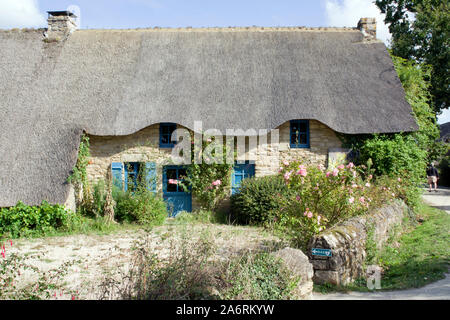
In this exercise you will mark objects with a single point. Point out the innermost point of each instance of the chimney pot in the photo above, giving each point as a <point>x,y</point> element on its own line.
<point>60,24</point>
<point>369,27</point>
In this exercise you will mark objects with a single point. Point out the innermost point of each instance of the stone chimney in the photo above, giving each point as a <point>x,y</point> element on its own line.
<point>368,27</point>
<point>60,25</point>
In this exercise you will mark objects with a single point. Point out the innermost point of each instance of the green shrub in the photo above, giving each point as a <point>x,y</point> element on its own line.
<point>395,156</point>
<point>257,276</point>
<point>210,180</point>
<point>23,220</point>
<point>141,206</point>
<point>258,199</point>
<point>93,205</point>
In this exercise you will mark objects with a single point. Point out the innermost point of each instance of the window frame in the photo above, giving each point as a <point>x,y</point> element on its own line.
<point>245,175</point>
<point>171,143</point>
<point>136,170</point>
<point>165,180</point>
<point>291,133</point>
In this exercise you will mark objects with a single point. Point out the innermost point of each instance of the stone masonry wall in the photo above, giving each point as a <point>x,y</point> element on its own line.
<point>322,138</point>
<point>347,243</point>
<point>143,146</point>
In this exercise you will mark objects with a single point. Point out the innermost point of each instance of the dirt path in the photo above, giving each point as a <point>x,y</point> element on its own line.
<point>439,200</point>
<point>95,254</point>
<point>439,290</point>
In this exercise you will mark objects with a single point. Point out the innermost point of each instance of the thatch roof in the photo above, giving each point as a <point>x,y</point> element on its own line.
<point>116,82</point>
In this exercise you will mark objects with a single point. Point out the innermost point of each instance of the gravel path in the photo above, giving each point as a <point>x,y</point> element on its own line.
<point>439,200</point>
<point>439,290</point>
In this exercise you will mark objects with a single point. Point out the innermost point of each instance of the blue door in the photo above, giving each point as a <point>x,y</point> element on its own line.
<point>176,198</point>
<point>241,172</point>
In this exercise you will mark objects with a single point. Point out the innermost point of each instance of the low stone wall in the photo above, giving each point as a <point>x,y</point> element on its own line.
<point>347,242</point>
<point>299,266</point>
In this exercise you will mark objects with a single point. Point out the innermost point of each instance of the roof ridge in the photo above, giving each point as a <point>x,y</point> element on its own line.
<point>252,28</point>
<point>191,29</point>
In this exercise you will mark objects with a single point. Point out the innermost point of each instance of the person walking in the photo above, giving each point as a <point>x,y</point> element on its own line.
<point>433,177</point>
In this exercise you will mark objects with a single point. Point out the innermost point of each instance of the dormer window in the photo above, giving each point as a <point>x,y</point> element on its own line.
<point>299,134</point>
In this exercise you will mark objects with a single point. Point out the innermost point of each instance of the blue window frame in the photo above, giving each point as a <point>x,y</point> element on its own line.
<point>165,135</point>
<point>177,173</point>
<point>126,175</point>
<point>131,175</point>
<point>240,172</point>
<point>299,134</point>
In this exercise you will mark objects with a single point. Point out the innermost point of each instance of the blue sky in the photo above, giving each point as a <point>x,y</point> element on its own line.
<point>195,13</point>
<point>121,14</point>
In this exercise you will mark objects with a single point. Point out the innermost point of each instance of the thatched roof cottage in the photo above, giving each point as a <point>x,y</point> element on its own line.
<point>125,88</point>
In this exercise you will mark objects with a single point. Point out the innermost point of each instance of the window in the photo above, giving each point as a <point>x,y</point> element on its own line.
<point>299,134</point>
<point>126,175</point>
<point>173,177</point>
<point>165,135</point>
<point>241,172</point>
<point>131,175</point>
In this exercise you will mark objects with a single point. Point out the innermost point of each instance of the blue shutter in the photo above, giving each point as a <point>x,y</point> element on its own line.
<point>117,170</point>
<point>151,178</point>
<point>241,172</point>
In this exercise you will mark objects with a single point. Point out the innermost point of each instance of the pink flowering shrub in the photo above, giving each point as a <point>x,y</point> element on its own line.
<point>322,198</point>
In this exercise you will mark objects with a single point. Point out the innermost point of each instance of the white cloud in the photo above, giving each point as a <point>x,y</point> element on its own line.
<point>444,117</point>
<point>346,13</point>
<point>20,14</point>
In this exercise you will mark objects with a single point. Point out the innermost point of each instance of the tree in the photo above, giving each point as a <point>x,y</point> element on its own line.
<point>425,40</point>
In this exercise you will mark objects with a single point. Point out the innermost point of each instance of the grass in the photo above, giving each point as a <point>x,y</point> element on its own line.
<point>418,256</point>
<point>423,254</point>
<point>83,225</point>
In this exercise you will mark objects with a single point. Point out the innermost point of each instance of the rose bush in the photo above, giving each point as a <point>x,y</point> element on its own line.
<point>322,198</point>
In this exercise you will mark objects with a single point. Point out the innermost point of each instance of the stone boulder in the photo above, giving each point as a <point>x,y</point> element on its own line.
<point>298,263</point>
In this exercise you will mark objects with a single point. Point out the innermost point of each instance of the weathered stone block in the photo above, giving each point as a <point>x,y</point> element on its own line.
<point>326,276</point>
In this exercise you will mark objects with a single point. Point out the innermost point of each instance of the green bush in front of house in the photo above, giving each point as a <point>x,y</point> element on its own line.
<point>141,206</point>
<point>23,220</point>
<point>258,199</point>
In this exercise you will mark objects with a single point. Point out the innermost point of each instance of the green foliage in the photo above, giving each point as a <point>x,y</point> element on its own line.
<point>395,156</point>
<point>257,277</point>
<point>414,78</point>
<point>79,175</point>
<point>210,180</point>
<point>81,224</point>
<point>371,246</point>
<point>426,39</point>
<point>141,206</point>
<point>93,204</point>
<point>258,199</point>
<point>23,220</point>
